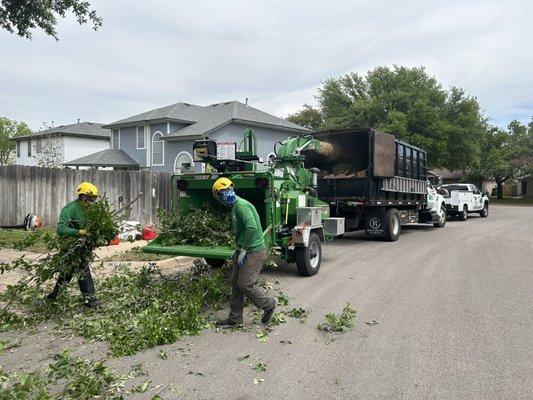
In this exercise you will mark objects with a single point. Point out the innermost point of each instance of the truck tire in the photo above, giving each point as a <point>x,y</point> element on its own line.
<point>215,262</point>
<point>392,225</point>
<point>463,215</point>
<point>485,212</point>
<point>308,258</point>
<point>442,221</point>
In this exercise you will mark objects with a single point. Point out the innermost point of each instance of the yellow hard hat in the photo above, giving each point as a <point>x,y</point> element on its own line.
<point>87,188</point>
<point>221,184</point>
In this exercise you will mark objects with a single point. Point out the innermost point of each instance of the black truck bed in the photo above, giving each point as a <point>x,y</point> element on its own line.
<point>368,166</point>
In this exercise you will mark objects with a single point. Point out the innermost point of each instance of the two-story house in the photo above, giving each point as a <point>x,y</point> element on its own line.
<point>162,139</point>
<point>67,142</point>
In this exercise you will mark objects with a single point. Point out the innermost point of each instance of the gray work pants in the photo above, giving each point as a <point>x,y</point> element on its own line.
<point>244,283</point>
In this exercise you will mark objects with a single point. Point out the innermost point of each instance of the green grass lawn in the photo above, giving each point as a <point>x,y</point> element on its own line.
<point>519,201</point>
<point>8,238</point>
<point>136,254</point>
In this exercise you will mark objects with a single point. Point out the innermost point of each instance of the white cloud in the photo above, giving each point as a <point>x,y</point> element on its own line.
<point>149,54</point>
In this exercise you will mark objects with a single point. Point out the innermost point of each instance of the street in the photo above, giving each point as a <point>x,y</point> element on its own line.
<point>452,312</point>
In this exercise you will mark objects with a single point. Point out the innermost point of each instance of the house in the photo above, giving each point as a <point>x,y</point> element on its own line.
<point>62,143</point>
<point>162,139</point>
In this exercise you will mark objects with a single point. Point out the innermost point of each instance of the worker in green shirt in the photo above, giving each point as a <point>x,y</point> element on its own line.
<point>248,259</point>
<point>71,224</point>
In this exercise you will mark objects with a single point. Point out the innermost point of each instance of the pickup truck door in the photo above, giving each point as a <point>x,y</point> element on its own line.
<point>477,201</point>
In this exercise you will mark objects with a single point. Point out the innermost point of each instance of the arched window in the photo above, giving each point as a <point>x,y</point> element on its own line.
<point>158,150</point>
<point>183,163</point>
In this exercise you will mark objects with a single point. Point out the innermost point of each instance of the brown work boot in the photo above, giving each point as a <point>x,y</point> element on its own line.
<point>225,324</point>
<point>269,313</point>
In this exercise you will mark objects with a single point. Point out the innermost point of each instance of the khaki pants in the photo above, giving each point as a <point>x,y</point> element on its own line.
<point>244,283</point>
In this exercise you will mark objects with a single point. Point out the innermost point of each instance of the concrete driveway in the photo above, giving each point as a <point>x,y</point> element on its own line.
<point>442,314</point>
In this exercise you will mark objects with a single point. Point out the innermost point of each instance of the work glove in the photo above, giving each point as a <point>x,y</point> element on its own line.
<point>83,232</point>
<point>241,257</point>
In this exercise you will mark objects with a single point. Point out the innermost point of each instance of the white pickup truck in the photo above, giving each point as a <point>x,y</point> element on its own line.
<point>464,198</point>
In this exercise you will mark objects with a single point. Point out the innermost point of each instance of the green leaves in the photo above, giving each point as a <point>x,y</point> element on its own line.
<point>65,378</point>
<point>262,335</point>
<point>259,367</point>
<point>140,309</point>
<point>339,323</point>
<point>205,226</point>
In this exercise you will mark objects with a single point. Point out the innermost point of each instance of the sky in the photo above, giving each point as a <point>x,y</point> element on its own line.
<point>276,53</point>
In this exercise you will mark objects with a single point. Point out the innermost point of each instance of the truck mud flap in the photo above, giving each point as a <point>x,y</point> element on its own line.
<point>375,222</point>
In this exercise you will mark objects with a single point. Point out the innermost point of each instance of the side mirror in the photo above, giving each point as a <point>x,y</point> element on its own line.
<point>486,193</point>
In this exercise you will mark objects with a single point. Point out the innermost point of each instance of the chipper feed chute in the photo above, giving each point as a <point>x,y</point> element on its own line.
<point>215,252</point>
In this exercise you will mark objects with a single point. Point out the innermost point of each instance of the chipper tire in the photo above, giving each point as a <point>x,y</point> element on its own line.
<point>392,225</point>
<point>215,262</point>
<point>441,222</point>
<point>308,258</point>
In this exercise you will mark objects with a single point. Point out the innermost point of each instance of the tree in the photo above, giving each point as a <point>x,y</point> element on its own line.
<point>49,154</point>
<point>9,129</point>
<point>307,117</point>
<point>506,154</point>
<point>408,103</point>
<point>21,16</point>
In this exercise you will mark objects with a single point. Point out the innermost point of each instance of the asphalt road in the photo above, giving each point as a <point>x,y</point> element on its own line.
<point>454,317</point>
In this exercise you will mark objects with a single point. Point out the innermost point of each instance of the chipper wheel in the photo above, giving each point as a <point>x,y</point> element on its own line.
<point>308,258</point>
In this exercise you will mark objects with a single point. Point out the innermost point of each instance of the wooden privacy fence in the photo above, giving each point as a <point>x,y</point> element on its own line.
<point>45,191</point>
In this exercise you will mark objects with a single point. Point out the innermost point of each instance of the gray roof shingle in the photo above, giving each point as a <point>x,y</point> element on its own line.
<point>85,129</point>
<point>203,120</point>
<point>105,158</point>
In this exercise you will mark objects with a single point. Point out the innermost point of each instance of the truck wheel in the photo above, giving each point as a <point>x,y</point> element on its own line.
<point>392,225</point>
<point>442,218</point>
<point>485,212</point>
<point>215,262</point>
<point>308,258</point>
<point>464,214</point>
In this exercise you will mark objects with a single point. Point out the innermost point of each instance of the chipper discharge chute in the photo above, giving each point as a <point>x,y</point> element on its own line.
<point>294,220</point>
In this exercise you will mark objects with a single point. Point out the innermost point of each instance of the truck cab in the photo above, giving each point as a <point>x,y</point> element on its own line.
<point>464,198</point>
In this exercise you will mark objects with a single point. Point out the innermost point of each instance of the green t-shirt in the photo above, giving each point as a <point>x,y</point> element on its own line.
<point>71,219</point>
<point>247,226</point>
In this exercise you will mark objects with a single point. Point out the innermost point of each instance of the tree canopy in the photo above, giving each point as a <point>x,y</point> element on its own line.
<point>10,129</point>
<point>21,16</point>
<point>407,102</point>
<point>506,154</point>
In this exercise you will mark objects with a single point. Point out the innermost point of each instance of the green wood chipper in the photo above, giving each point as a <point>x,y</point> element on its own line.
<point>294,220</point>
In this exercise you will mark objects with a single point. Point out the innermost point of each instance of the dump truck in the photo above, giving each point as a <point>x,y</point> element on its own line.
<point>374,181</point>
<point>295,221</point>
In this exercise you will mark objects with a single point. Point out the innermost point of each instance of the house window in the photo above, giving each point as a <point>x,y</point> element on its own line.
<point>38,146</point>
<point>158,150</point>
<point>116,139</point>
<point>29,148</point>
<point>18,149</point>
<point>183,163</point>
<point>140,137</point>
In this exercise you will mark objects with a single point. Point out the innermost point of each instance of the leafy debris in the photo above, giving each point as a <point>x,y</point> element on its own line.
<point>206,226</point>
<point>339,323</point>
